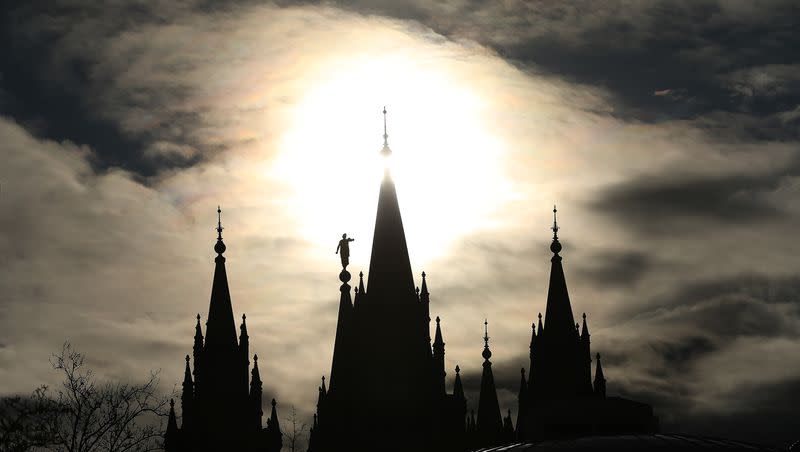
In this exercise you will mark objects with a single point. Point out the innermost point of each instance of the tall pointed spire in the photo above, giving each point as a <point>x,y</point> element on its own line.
<point>559,321</point>
<point>220,327</point>
<point>390,277</point>
<point>490,421</point>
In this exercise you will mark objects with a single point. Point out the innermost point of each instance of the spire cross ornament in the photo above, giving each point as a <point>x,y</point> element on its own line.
<point>385,135</point>
<point>555,227</point>
<point>219,247</point>
<point>486,332</point>
<point>219,223</point>
<point>386,152</point>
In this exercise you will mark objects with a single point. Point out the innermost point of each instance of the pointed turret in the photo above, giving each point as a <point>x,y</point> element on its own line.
<point>438,359</point>
<point>197,350</point>
<point>390,277</point>
<point>585,330</point>
<point>599,379</point>
<point>323,392</point>
<point>508,428</point>
<point>425,299</point>
<point>244,351</point>
<point>171,438</point>
<point>256,394</point>
<point>360,292</point>
<point>490,421</point>
<point>458,387</point>
<point>220,327</point>
<point>274,429</point>
<point>522,404</point>
<point>187,396</point>
<point>540,327</point>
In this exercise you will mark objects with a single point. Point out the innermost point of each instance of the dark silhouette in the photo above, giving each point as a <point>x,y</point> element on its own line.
<point>489,427</point>
<point>221,406</point>
<point>387,381</point>
<point>83,414</point>
<point>344,247</point>
<point>558,399</point>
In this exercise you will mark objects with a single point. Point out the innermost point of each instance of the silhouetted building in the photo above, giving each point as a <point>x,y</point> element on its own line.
<point>489,425</point>
<point>558,399</point>
<point>221,404</point>
<point>387,384</point>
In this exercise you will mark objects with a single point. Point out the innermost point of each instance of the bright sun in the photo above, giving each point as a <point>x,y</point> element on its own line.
<point>446,165</point>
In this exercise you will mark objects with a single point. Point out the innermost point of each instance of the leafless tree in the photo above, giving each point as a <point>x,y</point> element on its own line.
<point>86,415</point>
<point>295,435</point>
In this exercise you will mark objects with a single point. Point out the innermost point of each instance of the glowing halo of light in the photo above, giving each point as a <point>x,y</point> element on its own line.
<point>445,164</point>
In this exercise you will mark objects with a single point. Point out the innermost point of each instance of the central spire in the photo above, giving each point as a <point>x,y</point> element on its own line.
<point>390,277</point>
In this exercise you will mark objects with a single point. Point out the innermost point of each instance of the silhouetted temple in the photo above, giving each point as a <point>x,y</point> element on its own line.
<point>387,384</point>
<point>221,404</point>
<point>558,398</point>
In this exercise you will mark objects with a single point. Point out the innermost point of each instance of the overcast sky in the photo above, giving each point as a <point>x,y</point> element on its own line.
<point>667,133</point>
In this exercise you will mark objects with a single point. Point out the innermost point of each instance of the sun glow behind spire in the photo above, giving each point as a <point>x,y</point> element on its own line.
<point>446,165</point>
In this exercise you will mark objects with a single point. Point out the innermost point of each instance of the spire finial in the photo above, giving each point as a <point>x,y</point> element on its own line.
<point>437,319</point>
<point>385,134</point>
<point>486,352</point>
<point>220,245</point>
<point>555,247</point>
<point>555,223</point>
<point>255,358</point>
<point>385,151</point>
<point>458,369</point>
<point>187,358</point>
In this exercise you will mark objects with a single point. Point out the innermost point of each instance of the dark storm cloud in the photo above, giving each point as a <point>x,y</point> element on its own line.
<point>615,268</point>
<point>665,203</point>
<point>697,51</point>
<point>52,65</point>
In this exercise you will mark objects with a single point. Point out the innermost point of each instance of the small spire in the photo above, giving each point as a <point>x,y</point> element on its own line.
<point>424,284</point>
<point>219,247</point>
<point>540,327</point>
<point>438,342</point>
<point>486,352</point>
<point>458,387</point>
<point>255,374</point>
<point>599,379</point>
<point>585,331</point>
<point>187,376</point>
<point>361,282</point>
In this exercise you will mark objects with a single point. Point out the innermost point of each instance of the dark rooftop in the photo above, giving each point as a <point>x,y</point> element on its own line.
<point>635,443</point>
